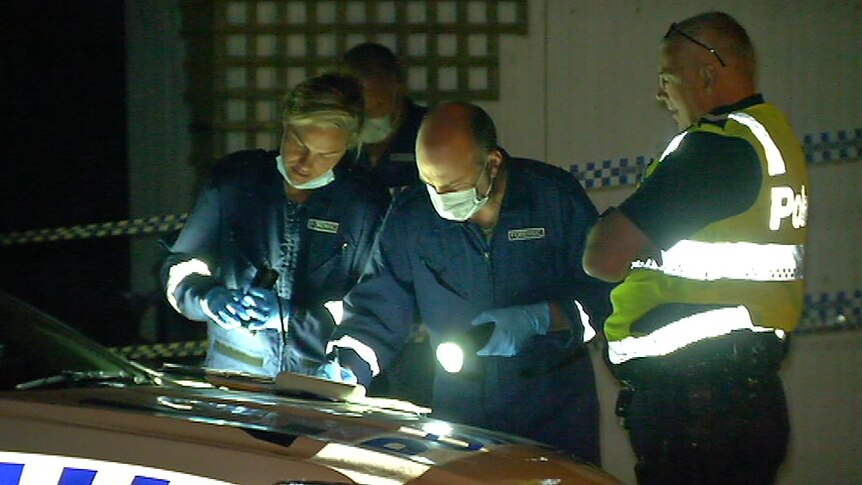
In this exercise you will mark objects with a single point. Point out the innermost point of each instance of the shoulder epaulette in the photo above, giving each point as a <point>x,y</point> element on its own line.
<point>718,120</point>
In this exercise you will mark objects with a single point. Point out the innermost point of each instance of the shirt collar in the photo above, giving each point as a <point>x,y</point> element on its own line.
<point>739,105</point>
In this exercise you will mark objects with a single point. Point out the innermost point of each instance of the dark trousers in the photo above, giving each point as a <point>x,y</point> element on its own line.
<point>724,427</point>
<point>546,393</point>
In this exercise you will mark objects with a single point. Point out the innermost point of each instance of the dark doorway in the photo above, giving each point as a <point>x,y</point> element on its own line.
<point>63,125</point>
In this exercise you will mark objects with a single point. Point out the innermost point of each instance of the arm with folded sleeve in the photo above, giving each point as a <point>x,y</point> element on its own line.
<point>191,273</point>
<point>378,311</point>
<point>706,179</point>
<point>581,312</point>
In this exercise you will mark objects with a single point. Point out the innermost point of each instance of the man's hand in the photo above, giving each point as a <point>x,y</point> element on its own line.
<point>512,327</point>
<point>223,307</point>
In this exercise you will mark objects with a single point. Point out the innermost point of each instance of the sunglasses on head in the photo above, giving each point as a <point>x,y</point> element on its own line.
<point>675,30</point>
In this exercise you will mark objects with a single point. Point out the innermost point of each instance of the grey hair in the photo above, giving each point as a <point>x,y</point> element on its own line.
<point>736,43</point>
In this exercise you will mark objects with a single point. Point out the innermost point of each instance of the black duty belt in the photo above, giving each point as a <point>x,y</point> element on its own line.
<point>741,355</point>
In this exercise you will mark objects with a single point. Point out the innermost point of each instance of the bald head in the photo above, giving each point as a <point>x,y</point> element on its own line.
<point>464,119</point>
<point>454,143</point>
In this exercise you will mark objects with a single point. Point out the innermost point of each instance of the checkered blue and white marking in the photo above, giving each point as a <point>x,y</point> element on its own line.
<point>607,173</point>
<point>827,311</point>
<point>134,227</point>
<point>36,469</point>
<point>840,310</point>
<point>840,146</point>
<point>823,147</point>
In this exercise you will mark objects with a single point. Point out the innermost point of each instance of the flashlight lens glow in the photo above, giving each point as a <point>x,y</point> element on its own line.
<point>438,428</point>
<point>450,356</point>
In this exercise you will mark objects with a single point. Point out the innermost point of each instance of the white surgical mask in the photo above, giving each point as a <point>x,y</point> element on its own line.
<point>460,205</point>
<point>314,183</point>
<point>375,130</point>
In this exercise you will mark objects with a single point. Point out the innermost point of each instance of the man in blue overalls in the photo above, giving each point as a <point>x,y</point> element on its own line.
<point>388,137</point>
<point>294,214</point>
<point>387,147</point>
<point>486,238</point>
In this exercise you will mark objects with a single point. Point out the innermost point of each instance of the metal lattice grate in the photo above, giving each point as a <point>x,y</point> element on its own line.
<point>261,48</point>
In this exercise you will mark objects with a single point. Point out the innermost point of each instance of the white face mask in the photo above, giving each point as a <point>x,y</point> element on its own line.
<point>314,183</point>
<point>461,205</point>
<point>376,130</point>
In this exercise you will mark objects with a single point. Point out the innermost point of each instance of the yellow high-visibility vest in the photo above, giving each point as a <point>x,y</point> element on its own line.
<point>742,272</point>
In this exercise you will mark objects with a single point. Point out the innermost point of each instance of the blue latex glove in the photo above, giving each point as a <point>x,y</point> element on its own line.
<point>333,371</point>
<point>223,307</point>
<point>512,327</point>
<point>261,305</point>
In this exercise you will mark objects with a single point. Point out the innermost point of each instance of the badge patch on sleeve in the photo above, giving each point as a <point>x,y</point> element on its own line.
<point>319,225</point>
<point>526,233</point>
<point>402,157</point>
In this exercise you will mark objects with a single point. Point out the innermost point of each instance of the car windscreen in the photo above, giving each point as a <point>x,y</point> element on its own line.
<point>34,345</point>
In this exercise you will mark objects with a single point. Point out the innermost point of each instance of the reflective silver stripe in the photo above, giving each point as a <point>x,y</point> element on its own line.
<point>673,145</point>
<point>179,272</point>
<point>774,161</point>
<point>402,157</point>
<point>683,332</point>
<point>365,352</point>
<point>336,309</point>
<point>709,261</point>
<point>589,331</point>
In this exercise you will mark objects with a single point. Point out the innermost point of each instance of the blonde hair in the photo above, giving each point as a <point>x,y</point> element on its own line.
<point>333,99</point>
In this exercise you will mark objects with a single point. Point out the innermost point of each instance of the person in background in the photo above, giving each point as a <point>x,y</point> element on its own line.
<point>710,252</point>
<point>388,149</point>
<point>487,238</point>
<point>276,235</point>
<point>388,137</point>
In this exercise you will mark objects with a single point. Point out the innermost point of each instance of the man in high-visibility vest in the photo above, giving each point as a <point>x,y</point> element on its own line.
<point>709,250</point>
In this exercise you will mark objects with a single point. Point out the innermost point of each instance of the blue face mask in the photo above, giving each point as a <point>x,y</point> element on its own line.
<point>325,179</point>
